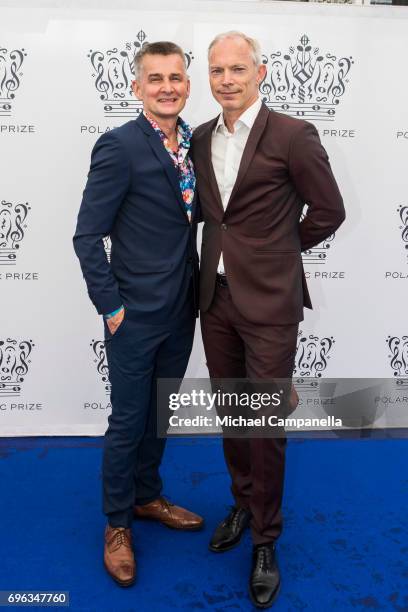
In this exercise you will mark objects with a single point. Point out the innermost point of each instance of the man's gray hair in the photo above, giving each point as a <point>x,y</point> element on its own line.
<point>163,47</point>
<point>252,42</point>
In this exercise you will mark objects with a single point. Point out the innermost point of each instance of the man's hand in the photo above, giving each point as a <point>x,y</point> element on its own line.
<point>293,398</point>
<point>114,322</point>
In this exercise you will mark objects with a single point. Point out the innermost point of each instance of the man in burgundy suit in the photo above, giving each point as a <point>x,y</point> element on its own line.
<point>256,170</point>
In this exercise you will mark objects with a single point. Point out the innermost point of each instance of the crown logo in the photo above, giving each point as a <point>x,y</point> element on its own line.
<point>10,76</point>
<point>107,244</point>
<point>398,359</point>
<point>99,351</point>
<point>303,83</point>
<point>398,355</point>
<point>113,74</point>
<point>312,355</point>
<point>318,254</point>
<point>14,360</point>
<point>12,226</point>
<point>403,215</point>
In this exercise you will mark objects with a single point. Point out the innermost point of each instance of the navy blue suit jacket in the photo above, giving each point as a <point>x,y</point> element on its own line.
<point>133,195</point>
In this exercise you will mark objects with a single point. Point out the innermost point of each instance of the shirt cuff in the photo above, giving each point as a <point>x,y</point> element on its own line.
<point>112,314</point>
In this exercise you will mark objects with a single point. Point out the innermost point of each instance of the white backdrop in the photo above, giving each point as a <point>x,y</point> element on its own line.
<point>54,67</point>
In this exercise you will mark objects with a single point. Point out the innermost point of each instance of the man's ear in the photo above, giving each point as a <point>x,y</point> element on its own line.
<point>188,87</point>
<point>261,73</point>
<point>136,89</point>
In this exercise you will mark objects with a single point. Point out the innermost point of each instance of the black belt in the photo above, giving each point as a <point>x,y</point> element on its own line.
<point>221,280</point>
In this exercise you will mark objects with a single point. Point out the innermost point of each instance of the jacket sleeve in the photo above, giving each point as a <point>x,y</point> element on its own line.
<point>107,184</point>
<point>313,178</point>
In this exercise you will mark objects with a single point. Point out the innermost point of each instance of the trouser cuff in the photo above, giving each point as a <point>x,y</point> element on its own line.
<point>142,501</point>
<point>121,519</point>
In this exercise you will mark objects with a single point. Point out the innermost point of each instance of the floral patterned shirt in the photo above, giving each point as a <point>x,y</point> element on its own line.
<point>181,159</point>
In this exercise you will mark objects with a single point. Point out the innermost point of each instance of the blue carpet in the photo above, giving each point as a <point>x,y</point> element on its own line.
<point>344,547</point>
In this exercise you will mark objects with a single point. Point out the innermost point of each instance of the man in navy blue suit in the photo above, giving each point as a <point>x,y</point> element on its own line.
<point>141,192</point>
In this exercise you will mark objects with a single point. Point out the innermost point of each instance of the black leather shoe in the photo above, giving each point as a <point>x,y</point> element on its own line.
<point>264,582</point>
<point>229,532</point>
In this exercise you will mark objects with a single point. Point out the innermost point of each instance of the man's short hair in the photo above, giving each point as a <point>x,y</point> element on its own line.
<point>252,42</point>
<point>157,48</point>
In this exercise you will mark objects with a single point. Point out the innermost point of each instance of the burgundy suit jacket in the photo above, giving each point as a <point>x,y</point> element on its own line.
<point>260,233</point>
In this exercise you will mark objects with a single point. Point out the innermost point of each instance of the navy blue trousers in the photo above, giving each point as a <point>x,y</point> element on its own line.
<point>138,354</point>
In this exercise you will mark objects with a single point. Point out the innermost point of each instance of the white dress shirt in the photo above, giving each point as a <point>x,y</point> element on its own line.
<point>226,153</point>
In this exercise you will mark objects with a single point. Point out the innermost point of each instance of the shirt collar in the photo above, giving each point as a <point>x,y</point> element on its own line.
<point>184,131</point>
<point>247,118</point>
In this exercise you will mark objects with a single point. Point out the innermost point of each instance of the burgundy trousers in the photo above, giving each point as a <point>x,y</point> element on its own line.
<point>236,348</point>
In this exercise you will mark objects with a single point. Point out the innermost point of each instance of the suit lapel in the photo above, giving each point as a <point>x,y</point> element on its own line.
<point>247,155</point>
<point>208,161</point>
<point>194,205</point>
<point>250,148</point>
<point>164,158</point>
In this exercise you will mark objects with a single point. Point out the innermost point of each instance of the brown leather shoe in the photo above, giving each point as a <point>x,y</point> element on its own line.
<point>170,515</point>
<point>118,555</point>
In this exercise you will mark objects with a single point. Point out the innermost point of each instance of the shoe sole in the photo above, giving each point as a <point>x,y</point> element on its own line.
<point>196,528</point>
<point>122,583</point>
<point>152,520</point>
<point>264,606</point>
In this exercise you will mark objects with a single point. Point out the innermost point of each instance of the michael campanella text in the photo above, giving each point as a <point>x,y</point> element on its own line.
<point>262,421</point>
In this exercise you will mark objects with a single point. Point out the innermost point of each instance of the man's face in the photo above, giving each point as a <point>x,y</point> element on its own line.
<point>163,85</point>
<point>234,78</point>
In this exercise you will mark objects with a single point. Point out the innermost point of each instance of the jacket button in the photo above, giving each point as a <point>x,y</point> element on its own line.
<point>223,226</point>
